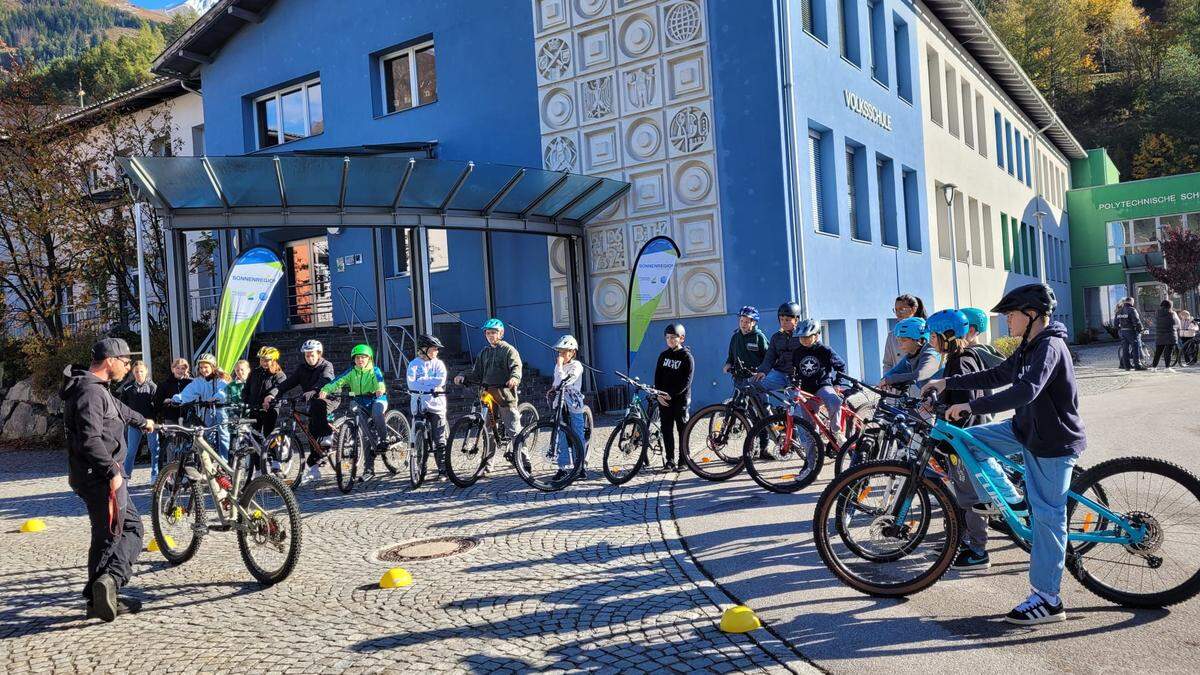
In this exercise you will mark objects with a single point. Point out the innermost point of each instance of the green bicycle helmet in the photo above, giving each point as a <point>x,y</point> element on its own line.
<point>362,350</point>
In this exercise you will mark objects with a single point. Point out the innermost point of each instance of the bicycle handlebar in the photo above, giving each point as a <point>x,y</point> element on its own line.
<point>638,384</point>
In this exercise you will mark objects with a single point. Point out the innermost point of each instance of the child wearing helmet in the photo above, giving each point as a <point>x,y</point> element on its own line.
<point>426,377</point>
<point>570,371</point>
<point>1046,429</point>
<point>209,387</point>
<point>268,375</point>
<point>673,376</point>
<point>977,322</point>
<point>920,363</point>
<point>748,344</point>
<point>312,374</point>
<point>365,384</point>
<point>816,369</point>
<point>777,365</point>
<point>498,369</point>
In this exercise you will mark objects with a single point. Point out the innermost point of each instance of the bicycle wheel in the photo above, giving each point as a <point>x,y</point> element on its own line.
<point>625,451</point>
<point>854,515</point>
<point>870,444</point>
<point>545,464</point>
<point>714,439</point>
<point>398,432</point>
<point>1162,497</point>
<point>779,463</point>
<point>348,444</point>
<point>416,459</point>
<point>1190,351</point>
<point>177,514</point>
<point>467,451</point>
<point>1095,493</point>
<point>270,542</point>
<point>285,450</point>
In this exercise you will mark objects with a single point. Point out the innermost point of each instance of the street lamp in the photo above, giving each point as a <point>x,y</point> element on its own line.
<point>948,191</point>
<point>1041,245</point>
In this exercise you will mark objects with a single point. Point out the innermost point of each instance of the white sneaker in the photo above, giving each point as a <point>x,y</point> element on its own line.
<point>1171,370</point>
<point>314,473</point>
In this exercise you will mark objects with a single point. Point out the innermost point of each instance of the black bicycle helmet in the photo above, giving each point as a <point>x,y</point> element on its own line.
<point>791,309</point>
<point>427,341</point>
<point>1038,297</point>
<point>675,329</point>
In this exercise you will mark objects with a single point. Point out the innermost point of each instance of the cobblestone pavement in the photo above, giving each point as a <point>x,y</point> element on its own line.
<point>593,578</point>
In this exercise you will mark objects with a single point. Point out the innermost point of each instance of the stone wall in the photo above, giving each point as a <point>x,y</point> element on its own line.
<point>25,414</point>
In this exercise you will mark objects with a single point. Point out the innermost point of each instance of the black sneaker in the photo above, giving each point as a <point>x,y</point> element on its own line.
<point>104,598</point>
<point>968,560</point>
<point>124,606</point>
<point>1036,610</point>
<point>1021,509</point>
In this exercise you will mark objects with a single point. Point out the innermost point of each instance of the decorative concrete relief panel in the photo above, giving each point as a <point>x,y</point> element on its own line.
<point>559,262</point>
<point>608,298</point>
<point>640,87</point>
<point>699,235</point>
<point>560,303</point>
<point>648,190</point>
<point>637,36</point>
<point>615,210</point>
<point>607,250</point>
<point>644,139</point>
<point>590,10</point>
<point>682,24</point>
<point>687,76</point>
<point>594,48</point>
<point>560,152</point>
<point>643,231</point>
<point>550,15</point>
<point>693,182</point>
<point>629,4</point>
<point>558,107</point>
<point>555,59</point>
<point>701,288</point>
<point>601,148</point>
<point>689,129</point>
<point>598,98</point>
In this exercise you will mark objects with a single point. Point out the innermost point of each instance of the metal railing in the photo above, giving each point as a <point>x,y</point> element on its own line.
<point>396,351</point>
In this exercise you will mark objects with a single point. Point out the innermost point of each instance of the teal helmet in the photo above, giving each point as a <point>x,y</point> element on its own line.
<point>912,327</point>
<point>976,318</point>
<point>493,324</point>
<point>948,323</point>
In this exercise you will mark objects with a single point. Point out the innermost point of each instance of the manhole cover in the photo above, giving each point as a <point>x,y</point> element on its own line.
<point>428,549</point>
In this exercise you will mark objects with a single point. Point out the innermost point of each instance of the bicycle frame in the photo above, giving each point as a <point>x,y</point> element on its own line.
<point>201,447</point>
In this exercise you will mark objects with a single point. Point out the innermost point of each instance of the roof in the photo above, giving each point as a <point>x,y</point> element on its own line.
<point>968,26</point>
<point>138,98</point>
<point>199,44</point>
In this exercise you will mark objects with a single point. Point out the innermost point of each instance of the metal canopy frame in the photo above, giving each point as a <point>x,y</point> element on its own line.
<point>373,192</point>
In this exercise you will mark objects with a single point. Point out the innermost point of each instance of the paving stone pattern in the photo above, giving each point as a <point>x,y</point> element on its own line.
<point>592,578</point>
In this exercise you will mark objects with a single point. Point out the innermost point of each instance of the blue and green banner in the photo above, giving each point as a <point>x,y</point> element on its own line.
<point>248,287</point>
<point>652,270</point>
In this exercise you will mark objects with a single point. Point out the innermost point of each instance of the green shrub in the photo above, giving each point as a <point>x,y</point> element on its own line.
<point>46,358</point>
<point>1006,345</point>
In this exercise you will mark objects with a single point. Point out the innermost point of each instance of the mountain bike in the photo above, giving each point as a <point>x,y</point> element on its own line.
<point>423,441</point>
<point>1186,353</point>
<point>720,430</point>
<point>263,511</point>
<point>889,528</point>
<point>476,437</point>
<point>355,438</point>
<point>636,436</point>
<point>551,455</point>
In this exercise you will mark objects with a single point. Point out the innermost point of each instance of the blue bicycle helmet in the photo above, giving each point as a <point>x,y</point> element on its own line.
<point>749,311</point>
<point>948,323</point>
<point>493,324</point>
<point>976,318</point>
<point>912,327</point>
<point>807,327</point>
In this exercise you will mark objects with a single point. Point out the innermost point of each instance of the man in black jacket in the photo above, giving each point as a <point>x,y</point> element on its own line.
<point>1129,329</point>
<point>95,428</point>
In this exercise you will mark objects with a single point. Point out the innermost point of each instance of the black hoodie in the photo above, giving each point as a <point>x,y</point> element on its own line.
<point>308,378</point>
<point>1043,393</point>
<point>259,384</point>
<point>95,424</point>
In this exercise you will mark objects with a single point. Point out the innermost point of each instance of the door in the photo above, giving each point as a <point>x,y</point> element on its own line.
<point>310,298</point>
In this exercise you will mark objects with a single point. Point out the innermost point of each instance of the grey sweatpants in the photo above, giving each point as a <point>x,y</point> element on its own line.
<point>975,526</point>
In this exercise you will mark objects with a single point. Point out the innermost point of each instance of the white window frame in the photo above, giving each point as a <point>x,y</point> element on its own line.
<point>394,243</point>
<point>278,95</point>
<point>412,76</point>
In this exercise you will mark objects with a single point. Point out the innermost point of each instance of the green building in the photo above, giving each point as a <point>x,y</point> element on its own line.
<point>1114,237</point>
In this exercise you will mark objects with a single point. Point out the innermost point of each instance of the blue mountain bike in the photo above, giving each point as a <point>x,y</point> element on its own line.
<point>890,528</point>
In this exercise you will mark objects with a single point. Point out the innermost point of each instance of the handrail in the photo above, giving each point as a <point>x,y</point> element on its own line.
<point>205,344</point>
<point>394,349</point>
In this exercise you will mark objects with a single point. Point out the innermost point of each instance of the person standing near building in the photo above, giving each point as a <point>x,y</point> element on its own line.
<point>426,377</point>
<point>180,378</point>
<point>498,369</point>
<point>1129,329</point>
<point>1166,335</point>
<point>673,376</point>
<point>95,421</point>
<point>312,374</point>
<point>748,345</point>
<point>906,307</point>
<point>138,393</point>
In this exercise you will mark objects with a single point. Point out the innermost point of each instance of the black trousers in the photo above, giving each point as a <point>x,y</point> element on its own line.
<point>109,553</point>
<point>1159,350</point>
<point>674,418</point>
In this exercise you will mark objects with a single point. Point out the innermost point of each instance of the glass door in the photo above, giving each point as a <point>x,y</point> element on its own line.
<point>310,296</point>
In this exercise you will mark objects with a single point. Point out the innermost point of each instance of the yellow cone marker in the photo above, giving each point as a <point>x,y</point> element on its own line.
<point>33,525</point>
<point>153,545</point>
<point>740,619</point>
<point>397,577</point>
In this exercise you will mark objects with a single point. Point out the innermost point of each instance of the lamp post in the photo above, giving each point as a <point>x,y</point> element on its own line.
<point>1041,244</point>
<point>948,191</point>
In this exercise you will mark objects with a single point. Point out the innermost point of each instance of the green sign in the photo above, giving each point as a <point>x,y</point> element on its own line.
<point>1148,198</point>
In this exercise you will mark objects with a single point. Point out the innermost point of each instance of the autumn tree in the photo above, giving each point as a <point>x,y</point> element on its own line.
<point>1161,154</point>
<point>1181,254</point>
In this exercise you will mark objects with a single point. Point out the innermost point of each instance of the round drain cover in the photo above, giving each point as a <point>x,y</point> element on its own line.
<point>428,549</point>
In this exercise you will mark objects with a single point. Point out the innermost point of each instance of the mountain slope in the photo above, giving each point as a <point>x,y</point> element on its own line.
<point>42,30</point>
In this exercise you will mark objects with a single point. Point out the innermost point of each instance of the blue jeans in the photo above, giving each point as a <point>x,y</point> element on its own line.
<point>133,438</point>
<point>576,422</point>
<point>1130,353</point>
<point>774,381</point>
<point>1047,480</point>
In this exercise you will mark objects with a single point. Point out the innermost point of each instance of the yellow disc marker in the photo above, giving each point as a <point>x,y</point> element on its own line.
<point>33,525</point>
<point>153,545</point>
<point>740,619</point>
<point>397,577</point>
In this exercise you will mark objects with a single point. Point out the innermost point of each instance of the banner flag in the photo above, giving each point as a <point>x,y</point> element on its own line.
<point>251,280</point>
<point>652,269</point>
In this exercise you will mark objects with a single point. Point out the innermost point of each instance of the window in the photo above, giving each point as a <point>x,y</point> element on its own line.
<point>933,70</point>
<point>903,65</point>
<point>289,114</point>
<point>1006,246</point>
<point>1048,247</point>
<point>976,232</point>
<point>952,101</point>
<point>868,349</point>
<point>439,252</point>
<point>820,173</point>
<point>912,216</point>
<point>849,16</point>
<point>856,187</point>
<point>989,246</point>
<point>198,140</point>
<point>1008,147</point>
<point>968,123</point>
<point>1100,302</point>
<point>999,141</point>
<point>879,60</point>
<point>960,226</point>
<point>1131,236</point>
<point>886,178</point>
<point>943,223</point>
<point>1017,154</point>
<point>409,77</point>
<point>980,124</point>
<point>1025,144</point>
<point>1018,258</point>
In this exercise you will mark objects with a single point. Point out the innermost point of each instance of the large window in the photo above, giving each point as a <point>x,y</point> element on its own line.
<point>989,247</point>
<point>912,211</point>
<point>960,226</point>
<point>903,66</point>
<point>1025,148</point>
<point>850,41</point>
<point>976,233</point>
<point>886,179</point>
<point>933,71</point>
<point>999,140</point>
<point>856,189</point>
<point>952,101</point>
<point>409,77</point>
<point>943,224</point>
<point>289,114</point>
<point>879,60</point>
<point>819,173</point>
<point>1100,303</point>
<point>968,122</point>
<point>1008,147</point>
<point>1017,154</point>
<point>439,252</point>
<point>981,124</point>
<point>1005,243</point>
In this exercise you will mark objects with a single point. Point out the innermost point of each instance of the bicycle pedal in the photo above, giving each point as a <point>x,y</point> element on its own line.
<point>220,527</point>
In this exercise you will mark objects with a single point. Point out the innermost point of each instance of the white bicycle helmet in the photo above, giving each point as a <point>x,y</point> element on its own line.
<point>312,346</point>
<point>567,342</point>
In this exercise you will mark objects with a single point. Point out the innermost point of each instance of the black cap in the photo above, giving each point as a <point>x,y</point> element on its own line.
<point>675,329</point>
<point>109,348</point>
